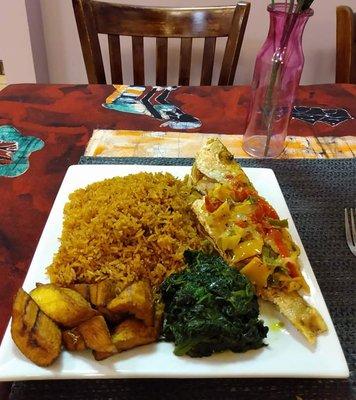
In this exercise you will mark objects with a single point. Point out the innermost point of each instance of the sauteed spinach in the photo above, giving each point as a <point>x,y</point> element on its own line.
<point>209,308</point>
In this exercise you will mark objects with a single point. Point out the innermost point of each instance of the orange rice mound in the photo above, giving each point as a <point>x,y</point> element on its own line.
<point>125,229</point>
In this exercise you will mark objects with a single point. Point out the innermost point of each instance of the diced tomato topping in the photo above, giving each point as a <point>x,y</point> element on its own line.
<point>261,227</point>
<point>258,215</point>
<point>276,236</point>
<point>263,210</point>
<point>242,193</point>
<point>229,176</point>
<point>212,204</point>
<point>267,209</point>
<point>241,224</point>
<point>292,269</point>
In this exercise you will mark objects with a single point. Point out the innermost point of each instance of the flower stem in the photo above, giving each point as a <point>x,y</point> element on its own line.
<point>269,108</point>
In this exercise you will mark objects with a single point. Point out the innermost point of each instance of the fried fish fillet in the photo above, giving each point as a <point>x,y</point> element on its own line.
<point>216,163</point>
<point>305,318</point>
<point>238,222</point>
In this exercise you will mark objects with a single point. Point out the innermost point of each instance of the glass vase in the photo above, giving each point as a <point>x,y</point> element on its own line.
<point>277,73</point>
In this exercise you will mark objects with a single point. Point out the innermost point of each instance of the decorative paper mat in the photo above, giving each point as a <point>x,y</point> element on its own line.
<point>316,192</point>
<point>125,143</point>
<point>15,150</point>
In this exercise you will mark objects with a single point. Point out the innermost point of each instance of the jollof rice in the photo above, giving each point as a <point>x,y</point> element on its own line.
<point>125,229</point>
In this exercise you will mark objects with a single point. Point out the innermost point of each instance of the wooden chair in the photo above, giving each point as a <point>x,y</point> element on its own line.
<point>345,45</point>
<point>94,17</point>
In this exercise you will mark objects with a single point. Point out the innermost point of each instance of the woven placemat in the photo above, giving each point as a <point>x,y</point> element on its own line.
<point>316,192</point>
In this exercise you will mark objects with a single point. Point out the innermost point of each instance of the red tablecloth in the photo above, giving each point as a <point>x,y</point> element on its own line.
<point>64,116</point>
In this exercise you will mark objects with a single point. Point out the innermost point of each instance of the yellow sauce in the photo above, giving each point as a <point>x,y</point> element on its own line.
<point>276,326</point>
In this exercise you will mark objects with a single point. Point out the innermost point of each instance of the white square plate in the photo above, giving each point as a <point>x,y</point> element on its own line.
<point>287,353</point>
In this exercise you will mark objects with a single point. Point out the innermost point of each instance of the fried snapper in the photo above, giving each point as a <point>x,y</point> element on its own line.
<point>250,236</point>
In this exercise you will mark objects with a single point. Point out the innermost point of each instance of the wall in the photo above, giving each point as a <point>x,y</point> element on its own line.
<point>65,62</point>
<point>22,46</point>
<point>38,47</point>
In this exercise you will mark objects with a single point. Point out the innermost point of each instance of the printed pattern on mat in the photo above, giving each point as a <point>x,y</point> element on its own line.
<point>151,101</point>
<point>15,150</point>
<point>312,115</point>
<point>125,143</point>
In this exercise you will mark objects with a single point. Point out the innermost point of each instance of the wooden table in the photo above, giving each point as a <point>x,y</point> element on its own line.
<point>64,116</point>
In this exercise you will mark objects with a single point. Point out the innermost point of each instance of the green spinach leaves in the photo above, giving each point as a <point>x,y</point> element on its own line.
<point>209,308</point>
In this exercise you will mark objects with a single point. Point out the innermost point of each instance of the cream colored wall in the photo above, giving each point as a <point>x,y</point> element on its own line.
<point>14,40</point>
<point>65,62</point>
<point>22,46</point>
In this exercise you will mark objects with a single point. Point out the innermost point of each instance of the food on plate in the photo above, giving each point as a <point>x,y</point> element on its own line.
<point>149,254</point>
<point>73,340</point>
<point>96,335</point>
<point>134,320</point>
<point>82,289</point>
<point>132,333</point>
<point>304,317</point>
<point>102,292</point>
<point>36,335</point>
<point>250,236</point>
<point>99,294</point>
<point>126,229</point>
<point>209,308</point>
<point>64,306</point>
<point>137,300</point>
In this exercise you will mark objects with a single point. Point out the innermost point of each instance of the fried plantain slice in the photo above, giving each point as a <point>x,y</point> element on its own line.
<point>159,312</point>
<point>65,306</point>
<point>73,340</point>
<point>36,335</point>
<point>82,289</point>
<point>102,292</point>
<point>132,333</point>
<point>304,317</point>
<point>109,316</point>
<point>137,300</point>
<point>96,335</point>
<point>102,355</point>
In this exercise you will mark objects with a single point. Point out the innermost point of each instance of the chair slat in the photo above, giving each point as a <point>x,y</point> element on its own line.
<point>89,41</point>
<point>161,61</point>
<point>115,59</point>
<point>99,17</point>
<point>208,61</point>
<point>138,60</point>
<point>185,61</point>
<point>234,43</point>
<point>128,20</point>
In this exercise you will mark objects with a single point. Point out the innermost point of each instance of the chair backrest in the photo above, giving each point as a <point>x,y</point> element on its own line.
<point>94,17</point>
<point>345,45</point>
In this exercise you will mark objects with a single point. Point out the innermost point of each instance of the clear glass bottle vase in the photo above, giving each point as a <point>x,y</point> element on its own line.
<point>277,73</point>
